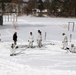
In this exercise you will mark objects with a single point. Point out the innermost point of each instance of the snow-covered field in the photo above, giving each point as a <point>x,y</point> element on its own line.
<point>48,60</point>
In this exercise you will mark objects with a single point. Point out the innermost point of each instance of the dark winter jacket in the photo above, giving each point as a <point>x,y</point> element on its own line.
<point>15,36</point>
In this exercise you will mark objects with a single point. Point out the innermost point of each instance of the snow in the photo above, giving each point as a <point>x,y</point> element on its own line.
<point>48,60</point>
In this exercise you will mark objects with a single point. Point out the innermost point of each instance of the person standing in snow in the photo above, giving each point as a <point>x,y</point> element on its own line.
<point>65,41</point>
<point>31,40</point>
<point>39,38</point>
<point>15,38</point>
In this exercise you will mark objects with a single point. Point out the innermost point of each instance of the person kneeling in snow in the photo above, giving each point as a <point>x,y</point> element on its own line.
<point>65,41</point>
<point>72,48</point>
<point>30,40</point>
<point>39,38</point>
<point>13,47</point>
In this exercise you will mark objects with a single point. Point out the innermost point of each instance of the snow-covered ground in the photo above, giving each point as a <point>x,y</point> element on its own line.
<point>48,60</point>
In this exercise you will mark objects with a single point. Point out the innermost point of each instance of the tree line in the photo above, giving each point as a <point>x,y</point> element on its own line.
<point>58,8</point>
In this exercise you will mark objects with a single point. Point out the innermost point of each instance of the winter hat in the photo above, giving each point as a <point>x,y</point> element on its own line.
<point>72,45</point>
<point>63,34</point>
<point>31,33</point>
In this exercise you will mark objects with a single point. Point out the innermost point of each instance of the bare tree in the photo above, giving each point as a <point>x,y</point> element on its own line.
<point>72,8</point>
<point>17,5</point>
<point>47,5</point>
<point>32,4</point>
